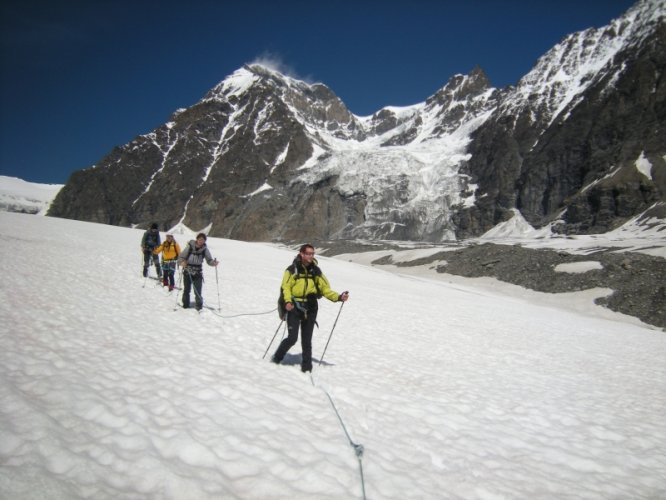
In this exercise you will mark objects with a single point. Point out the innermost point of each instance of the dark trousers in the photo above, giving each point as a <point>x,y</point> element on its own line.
<point>306,322</point>
<point>168,269</point>
<point>146,262</point>
<point>192,277</point>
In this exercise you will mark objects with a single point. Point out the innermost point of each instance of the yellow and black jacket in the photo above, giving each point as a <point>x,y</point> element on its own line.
<point>169,251</point>
<point>300,282</point>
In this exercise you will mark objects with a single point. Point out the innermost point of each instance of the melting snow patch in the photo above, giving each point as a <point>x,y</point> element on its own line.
<point>644,166</point>
<point>578,267</point>
<point>265,187</point>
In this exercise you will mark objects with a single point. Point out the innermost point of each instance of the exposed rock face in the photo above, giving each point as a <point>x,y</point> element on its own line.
<point>264,157</point>
<point>576,160</point>
<point>579,143</point>
<point>202,167</point>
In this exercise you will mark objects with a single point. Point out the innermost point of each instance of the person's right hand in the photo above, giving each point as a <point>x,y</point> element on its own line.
<point>289,306</point>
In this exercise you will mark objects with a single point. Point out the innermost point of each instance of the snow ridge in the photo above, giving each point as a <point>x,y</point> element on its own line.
<point>562,75</point>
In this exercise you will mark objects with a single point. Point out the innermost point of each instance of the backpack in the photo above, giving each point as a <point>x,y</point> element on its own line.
<point>152,240</point>
<point>281,304</point>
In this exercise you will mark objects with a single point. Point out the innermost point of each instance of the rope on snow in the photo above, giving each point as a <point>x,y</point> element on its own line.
<point>357,447</point>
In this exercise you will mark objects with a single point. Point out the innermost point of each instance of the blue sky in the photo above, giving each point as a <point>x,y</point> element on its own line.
<point>79,77</point>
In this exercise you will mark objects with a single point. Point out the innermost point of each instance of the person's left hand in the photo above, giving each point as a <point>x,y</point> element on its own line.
<point>344,296</point>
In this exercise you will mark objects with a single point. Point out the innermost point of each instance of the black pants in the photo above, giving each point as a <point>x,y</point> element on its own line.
<point>146,262</point>
<point>169,269</point>
<point>192,277</point>
<point>306,322</point>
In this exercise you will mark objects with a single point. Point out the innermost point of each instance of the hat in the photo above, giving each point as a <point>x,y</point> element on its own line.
<point>154,225</point>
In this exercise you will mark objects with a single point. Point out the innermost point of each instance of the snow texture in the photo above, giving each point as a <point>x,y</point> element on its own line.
<point>17,195</point>
<point>108,390</point>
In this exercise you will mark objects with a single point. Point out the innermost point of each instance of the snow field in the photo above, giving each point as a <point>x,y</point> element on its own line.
<point>454,391</point>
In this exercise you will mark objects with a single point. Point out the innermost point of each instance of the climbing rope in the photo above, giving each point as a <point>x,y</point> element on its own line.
<point>357,447</point>
<point>197,294</point>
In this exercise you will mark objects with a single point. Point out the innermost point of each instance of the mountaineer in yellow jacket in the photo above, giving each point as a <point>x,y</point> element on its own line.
<point>170,251</point>
<point>302,284</point>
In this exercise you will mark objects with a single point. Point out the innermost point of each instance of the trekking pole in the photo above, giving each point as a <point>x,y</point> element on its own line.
<point>180,281</point>
<point>274,335</point>
<point>321,359</point>
<point>217,282</point>
<point>160,279</point>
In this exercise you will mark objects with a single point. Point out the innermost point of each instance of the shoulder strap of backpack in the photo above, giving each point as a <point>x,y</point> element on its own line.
<point>315,273</point>
<point>189,249</point>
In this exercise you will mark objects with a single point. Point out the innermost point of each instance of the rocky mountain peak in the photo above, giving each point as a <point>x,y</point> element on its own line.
<point>563,145</point>
<point>461,88</point>
<point>314,105</point>
<point>461,101</point>
<point>577,144</point>
<point>561,77</point>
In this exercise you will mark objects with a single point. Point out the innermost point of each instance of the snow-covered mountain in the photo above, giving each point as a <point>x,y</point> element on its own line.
<point>576,146</point>
<point>580,140</point>
<point>17,195</point>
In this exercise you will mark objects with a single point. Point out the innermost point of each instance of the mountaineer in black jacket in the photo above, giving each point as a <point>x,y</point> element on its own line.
<point>150,241</point>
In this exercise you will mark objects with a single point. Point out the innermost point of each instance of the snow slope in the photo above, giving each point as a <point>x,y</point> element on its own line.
<point>107,390</point>
<point>17,195</point>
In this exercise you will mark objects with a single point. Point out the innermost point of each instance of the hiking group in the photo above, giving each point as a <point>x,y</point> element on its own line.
<point>303,284</point>
<point>191,259</point>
